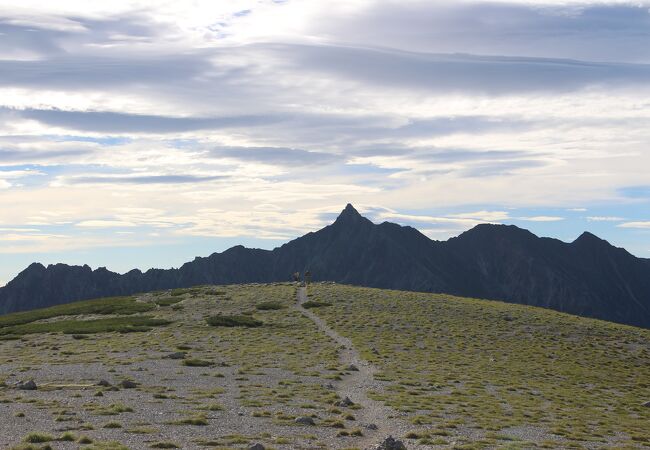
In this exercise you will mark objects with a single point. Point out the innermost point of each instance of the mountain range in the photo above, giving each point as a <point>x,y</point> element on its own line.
<point>587,277</point>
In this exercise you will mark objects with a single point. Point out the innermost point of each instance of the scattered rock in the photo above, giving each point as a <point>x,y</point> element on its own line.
<point>353,368</point>
<point>176,355</point>
<point>305,421</point>
<point>646,405</point>
<point>28,386</point>
<point>329,386</point>
<point>103,383</point>
<point>345,402</point>
<point>371,426</point>
<point>391,444</point>
<point>126,384</point>
<point>257,447</point>
<point>374,350</point>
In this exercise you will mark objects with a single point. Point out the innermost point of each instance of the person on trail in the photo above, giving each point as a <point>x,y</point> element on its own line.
<point>307,277</point>
<point>296,276</point>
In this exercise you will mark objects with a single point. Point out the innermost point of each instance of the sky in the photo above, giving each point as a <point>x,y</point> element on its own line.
<point>138,134</point>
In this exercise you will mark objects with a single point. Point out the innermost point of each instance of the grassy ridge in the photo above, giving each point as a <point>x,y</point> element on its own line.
<point>488,366</point>
<point>109,305</point>
<point>467,374</point>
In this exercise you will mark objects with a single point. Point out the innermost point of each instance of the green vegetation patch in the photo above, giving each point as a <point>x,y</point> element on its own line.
<point>315,304</point>
<point>234,321</point>
<point>119,324</point>
<point>197,363</point>
<point>109,305</point>
<point>269,306</point>
<point>37,438</point>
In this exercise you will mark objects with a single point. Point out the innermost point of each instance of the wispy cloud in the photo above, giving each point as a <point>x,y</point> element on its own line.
<point>605,219</point>
<point>640,225</point>
<point>140,179</point>
<point>105,224</point>
<point>541,219</point>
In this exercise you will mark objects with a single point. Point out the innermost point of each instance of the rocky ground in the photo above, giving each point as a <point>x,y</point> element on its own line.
<point>314,374</point>
<point>188,385</point>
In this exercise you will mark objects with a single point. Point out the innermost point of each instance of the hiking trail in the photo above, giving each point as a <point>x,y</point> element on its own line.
<point>357,384</point>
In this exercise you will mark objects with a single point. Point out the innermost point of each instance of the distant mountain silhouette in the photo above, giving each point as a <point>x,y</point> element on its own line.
<point>588,277</point>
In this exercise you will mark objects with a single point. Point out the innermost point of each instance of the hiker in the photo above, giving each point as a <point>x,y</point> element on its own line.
<point>307,277</point>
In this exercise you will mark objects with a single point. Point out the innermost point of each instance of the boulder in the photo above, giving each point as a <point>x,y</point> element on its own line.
<point>126,384</point>
<point>345,402</point>
<point>305,421</point>
<point>176,355</point>
<point>257,447</point>
<point>646,404</point>
<point>103,383</point>
<point>28,386</point>
<point>371,426</point>
<point>391,444</point>
<point>352,368</point>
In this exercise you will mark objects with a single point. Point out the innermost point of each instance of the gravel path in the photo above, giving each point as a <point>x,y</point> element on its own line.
<point>356,385</point>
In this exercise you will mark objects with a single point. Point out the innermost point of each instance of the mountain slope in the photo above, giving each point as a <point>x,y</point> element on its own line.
<point>587,277</point>
<point>474,373</point>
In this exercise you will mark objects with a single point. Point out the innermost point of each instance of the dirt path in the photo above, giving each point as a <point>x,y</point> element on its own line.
<point>357,384</point>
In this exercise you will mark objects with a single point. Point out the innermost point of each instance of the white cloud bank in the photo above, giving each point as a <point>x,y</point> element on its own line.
<point>262,118</point>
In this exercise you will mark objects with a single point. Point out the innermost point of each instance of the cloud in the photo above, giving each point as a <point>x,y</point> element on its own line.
<point>41,156</point>
<point>541,219</point>
<point>640,225</point>
<point>605,219</point>
<point>13,174</point>
<point>105,224</point>
<point>140,179</point>
<point>75,72</point>
<point>276,155</point>
<point>111,122</point>
<point>22,42</point>
<point>488,216</point>
<point>456,73</point>
<point>590,30</point>
<point>451,221</point>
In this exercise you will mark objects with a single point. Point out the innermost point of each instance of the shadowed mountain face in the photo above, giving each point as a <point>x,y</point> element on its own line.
<point>588,277</point>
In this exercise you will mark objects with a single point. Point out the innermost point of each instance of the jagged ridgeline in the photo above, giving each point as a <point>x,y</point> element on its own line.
<point>587,277</point>
<point>284,367</point>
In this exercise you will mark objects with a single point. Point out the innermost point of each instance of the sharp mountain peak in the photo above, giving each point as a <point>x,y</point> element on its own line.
<point>350,216</point>
<point>492,261</point>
